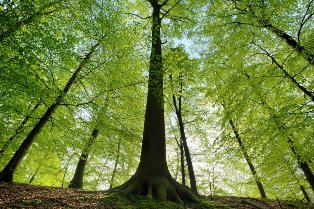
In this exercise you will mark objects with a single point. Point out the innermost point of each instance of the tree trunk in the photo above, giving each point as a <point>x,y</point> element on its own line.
<point>115,165</point>
<point>290,77</point>
<point>34,175</point>
<point>249,162</point>
<point>306,196</point>
<point>6,174</point>
<point>17,130</point>
<point>306,54</point>
<point>302,164</point>
<point>182,163</point>
<point>66,171</point>
<point>152,177</point>
<point>77,180</point>
<point>178,110</point>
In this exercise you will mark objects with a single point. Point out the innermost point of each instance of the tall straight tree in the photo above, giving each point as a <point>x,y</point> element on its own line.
<point>249,161</point>
<point>152,177</point>
<point>184,145</point>
<point>6,174</point>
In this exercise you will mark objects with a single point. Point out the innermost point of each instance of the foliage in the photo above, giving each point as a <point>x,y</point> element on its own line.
<point>231,66</point>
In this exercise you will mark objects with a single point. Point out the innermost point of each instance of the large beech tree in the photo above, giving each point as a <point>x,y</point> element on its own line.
<point>152,177</point>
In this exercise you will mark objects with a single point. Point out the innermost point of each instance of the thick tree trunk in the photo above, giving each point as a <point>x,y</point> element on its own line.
<point>178,110</point>
<point>6,174</point>
<point>77,180</point>
<point>115,165</point>
<point>18,130</point>
<point>249,162</point>
<point>152,177</point>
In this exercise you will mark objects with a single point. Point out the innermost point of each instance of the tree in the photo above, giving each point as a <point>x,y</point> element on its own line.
<point>262,18</point>
<point>6,174</point>
<point>248,160</point>
<point>152,177</point>
<point>183,142</point>
<point>77,180</point>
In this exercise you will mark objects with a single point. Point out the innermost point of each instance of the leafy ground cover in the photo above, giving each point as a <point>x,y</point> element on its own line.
<point>13,195</point>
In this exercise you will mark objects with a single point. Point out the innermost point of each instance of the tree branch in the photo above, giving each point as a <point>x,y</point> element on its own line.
<point>170,8</point>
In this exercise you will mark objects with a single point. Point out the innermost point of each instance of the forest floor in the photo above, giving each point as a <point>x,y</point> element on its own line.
<point>13,195</point>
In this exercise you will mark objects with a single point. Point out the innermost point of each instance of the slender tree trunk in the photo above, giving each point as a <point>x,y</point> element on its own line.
<point>18,130</point>
<point>182,163</point>
<point>306,196</point>
<point>302,164</point>
<point>249,162</point>
<point>6,174</point>
<point>115,165</point>
<point>34,175</point>
<point>290,77</point>
<point>77,180</point>
<point>66,171</point>
<point>178,110</point>
<point>306,54</point>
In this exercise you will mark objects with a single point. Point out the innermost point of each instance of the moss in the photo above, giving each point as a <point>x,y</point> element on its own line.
<point>118,201</point>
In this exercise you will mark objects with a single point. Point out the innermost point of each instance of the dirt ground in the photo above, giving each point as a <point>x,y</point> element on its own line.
<point>13,195</point>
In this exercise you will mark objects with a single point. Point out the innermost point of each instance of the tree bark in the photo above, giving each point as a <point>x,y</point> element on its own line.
<point>152,177</point>
<point>178,110</point>
<point>249,162</point>
<point>6,174</point>
<point>77,180</point>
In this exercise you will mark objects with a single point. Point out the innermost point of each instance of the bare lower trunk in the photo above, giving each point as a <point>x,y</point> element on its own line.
<point>6,174</point>
<point>178,109</point>
<point>249,162</point>
<point>77,180</point>
<point>182,163</point>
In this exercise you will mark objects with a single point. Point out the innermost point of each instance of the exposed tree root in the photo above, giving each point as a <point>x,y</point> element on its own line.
<point>158,187</point>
